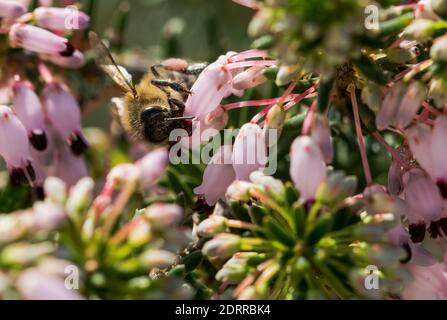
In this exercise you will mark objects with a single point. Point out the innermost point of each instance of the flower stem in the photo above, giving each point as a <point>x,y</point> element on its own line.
<point>358,128</point>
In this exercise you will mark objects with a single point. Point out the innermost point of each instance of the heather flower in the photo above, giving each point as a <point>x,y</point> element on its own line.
<point>307,168</point>
<point>152,167</point>
<point>11,9</point>
<point>39,40</point>
<point>15,148</point>
<point>29,110</point>
<point>35,284</point>
<point>65,115</point>
<point>218,175</point>
<point>68,167</point>
<point>429,283</point>
<point>48,216</point>
<point>163,216</point>
<point>427,146</point>
<point>249,151</point>
<point>401,105</point>
<point>58,19</point>
<point>321,134</point>
<point>250,78</point>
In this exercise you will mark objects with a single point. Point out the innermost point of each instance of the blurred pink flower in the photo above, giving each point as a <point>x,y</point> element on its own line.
<point>249,151</point>
<point>48,216</point>
<point>14,147</point>
<point>35,284</point>
<point>163,215</point>
<point>307,168</point>
<point>428,147</point>
<point>39,40</point>
<point>29,110</point>
<point>11,9</point>
<point>401,105</point>
<point>153,166</point>
<point>65,115</point>
<point>321,134</point>
<point>429,283</point>
<point>61,19</point>
<point>68,167</point>
<point>218,176</point>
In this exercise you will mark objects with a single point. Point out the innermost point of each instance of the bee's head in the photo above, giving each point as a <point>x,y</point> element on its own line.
<point>156,126</point>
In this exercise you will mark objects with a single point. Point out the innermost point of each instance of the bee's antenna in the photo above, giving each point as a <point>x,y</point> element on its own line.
<point>181,118</point>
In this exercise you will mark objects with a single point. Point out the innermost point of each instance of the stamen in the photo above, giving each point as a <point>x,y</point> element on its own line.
<point>251,63</point>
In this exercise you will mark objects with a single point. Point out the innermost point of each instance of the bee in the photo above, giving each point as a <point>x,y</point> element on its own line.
<point>150,110</point>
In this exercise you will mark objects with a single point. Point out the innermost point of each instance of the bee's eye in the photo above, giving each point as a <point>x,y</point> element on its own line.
<point>150,112</point>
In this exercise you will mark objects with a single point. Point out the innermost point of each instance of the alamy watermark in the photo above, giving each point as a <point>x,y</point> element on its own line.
<point>253,149</point>
<point>372,17</point>
<point>371,281</point>
<point>72,16</point>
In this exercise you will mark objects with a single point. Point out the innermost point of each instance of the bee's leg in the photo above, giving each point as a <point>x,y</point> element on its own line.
<point>177,103</point>
<point>173,85</point>
<point>195,69</point>
<point>154,69</point>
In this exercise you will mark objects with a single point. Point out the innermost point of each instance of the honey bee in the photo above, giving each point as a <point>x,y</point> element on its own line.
<point>153,108</point>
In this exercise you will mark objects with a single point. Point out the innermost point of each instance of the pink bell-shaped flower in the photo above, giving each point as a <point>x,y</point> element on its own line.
<point>15,148</point>
<point>61,19</point>
<point>29,110</point>
<point>307,168</point>
<point>218,176</point>
<point>249,151</point>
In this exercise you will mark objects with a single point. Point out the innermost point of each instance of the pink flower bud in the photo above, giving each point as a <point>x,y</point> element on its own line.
<point>321,134</point>
<point>153,166</point>
<point>163,215</point>
<point>218,175</point>
<point>14,147</point>
<point>307,168</point>
<point>29,110</point>
<point>48,216</point>
<point>11,9</point>
<point>390,107</point>
<point>249,151</point>
<point>249,78</point>
<point>39,40</point>
<point>410,104</point>
<point>64,113</point>
<point>61,19</point>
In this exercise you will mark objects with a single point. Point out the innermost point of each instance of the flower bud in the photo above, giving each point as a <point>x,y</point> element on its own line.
<point>48,216</point>
<point>286,74</point>
<point>34,284</point>
<point>23,253</point>
<point>152,167</point>
<point>222,246</point>
<point>439,7</point>
<point>307,167</point>
<point>438,92</point>
<point>11,9</point>
<point>239,191</point>
<point>80,196</point>
<point>157,259</point>
<point>39,40</point>
<point>420,30</point>
<point>269,183</point>
<point>163,215</point>
<point>211,226</point>
<point>321,134</point>
<point>337,188</point>
<point>61,19</point>
<point>274,121</point>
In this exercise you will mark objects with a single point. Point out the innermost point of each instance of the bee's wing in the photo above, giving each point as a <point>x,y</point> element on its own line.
<point>105,61</point>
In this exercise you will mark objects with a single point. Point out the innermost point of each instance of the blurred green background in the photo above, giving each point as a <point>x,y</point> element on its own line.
<point>202,28</point>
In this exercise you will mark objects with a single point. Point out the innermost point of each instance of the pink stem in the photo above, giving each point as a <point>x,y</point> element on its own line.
<point>254,53</point>
<point>359,133</point>
<point>250,63</point>
<point>45,73</point>
<point>394,153</point>
<point>430,108</point>
<point>280,101</point>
